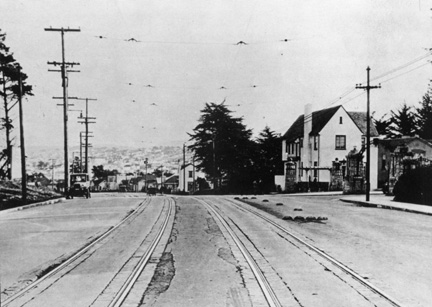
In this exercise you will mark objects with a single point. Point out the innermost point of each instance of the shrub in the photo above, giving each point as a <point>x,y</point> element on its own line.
<point>415,186</point>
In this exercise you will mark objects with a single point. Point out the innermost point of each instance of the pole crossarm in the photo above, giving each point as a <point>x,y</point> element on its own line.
<point>55,63</point>
<point>62,29</point>
<point>68,70</point>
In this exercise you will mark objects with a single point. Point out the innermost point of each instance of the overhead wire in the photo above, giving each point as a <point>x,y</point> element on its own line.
<point>392,71</point>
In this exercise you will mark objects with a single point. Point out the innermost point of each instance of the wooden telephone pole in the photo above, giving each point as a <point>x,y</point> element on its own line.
<point>368,87</point>
<point>86,120</point>
<point>23,156</point>
<point>64,65</point>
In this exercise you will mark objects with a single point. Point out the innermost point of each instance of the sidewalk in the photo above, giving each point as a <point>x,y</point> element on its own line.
<point>386,202</point>
<point>43,203</point>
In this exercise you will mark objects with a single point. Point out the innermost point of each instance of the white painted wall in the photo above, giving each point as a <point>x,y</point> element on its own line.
<point>185,172</point>
<point>327,141</point>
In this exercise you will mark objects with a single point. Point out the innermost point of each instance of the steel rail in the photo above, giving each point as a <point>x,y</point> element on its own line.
<point>324,255</point>
<point>73,257</point>
<point>267,290</point>
<point>121,295</point>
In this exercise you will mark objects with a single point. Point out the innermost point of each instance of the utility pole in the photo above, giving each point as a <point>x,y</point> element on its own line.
<point>81,153</point>
<point>214,165</point>
<point>184,167</point>
<point>86,121</point>
<point>52,173</point>
<point>8,140</point>
<point>23,156</point>
<point>146,162</point>
<point>63,65</point>
<point>193,170</point>
<point>368,87</point>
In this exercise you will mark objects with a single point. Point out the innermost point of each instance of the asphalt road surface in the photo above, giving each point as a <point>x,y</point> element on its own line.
<point>133,250</point>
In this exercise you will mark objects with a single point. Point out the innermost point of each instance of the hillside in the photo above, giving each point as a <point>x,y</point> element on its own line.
<point>10,194</point>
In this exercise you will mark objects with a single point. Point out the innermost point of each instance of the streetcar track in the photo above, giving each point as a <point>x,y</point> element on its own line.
<point>263,283</point>
<point>65,263</point>
<point>324,255</point>
<point>133,277</point>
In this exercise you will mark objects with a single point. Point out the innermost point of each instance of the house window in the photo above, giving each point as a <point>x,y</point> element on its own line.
<point>340,142</point>
<point>316,142</point>
<point>340,120</point>
<point>190,174</point>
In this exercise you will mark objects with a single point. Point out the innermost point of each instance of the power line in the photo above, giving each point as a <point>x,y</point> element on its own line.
<point>409,63</point>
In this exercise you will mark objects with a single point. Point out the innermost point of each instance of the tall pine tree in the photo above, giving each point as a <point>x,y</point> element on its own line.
<point>222,147</point>
<point>9,90</point>
<point>403,122</point>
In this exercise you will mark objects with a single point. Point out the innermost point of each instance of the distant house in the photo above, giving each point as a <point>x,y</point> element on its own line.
<point>99,185</point>
<point>140,184</point>
<point>38,180</point>
<point>171,183</point>
<point>391,152</point>
<point>318,140</point>
<point>188,175</point>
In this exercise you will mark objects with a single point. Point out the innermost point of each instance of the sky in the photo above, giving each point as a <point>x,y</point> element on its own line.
<point>152,65</point>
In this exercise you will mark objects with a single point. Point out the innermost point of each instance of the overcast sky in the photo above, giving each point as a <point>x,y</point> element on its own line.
<point>189,52</point>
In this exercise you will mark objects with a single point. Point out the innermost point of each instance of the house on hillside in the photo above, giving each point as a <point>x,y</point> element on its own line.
<point>317,141</point>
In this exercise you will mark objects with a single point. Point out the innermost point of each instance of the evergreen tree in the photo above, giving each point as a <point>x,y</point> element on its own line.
<point>424,117</point>
<point>9,90</point>
<point>223,147</point>
<point>403,122</point>
<point>382,125</point>
<point>268,160</point>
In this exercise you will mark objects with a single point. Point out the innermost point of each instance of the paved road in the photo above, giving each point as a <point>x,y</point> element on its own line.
<point>201,265</point>
<point>31,240</point>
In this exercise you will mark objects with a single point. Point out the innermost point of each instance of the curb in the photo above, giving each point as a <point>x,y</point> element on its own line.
<point>43,203</point>
<point>374,205</point>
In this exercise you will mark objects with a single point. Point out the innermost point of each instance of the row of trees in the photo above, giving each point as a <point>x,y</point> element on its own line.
<point>408,120</point>
<point>224,149</point>
<point>100,173</point>
<point>11,72</point>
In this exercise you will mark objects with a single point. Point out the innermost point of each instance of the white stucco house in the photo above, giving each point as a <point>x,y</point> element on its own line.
<point>187,176</point>
<point>318,139</point>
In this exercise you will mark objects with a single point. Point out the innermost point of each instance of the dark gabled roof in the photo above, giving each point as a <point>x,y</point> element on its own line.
<point>295,131</point>
<point>359,118</point>
<point>172,179</point>
<point>320,119</point>
<point>185,165</point>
